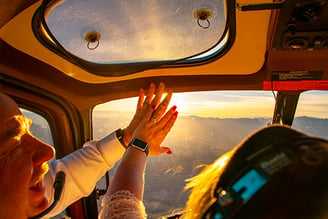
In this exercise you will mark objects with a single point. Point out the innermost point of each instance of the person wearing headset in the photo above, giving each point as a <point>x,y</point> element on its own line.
<point>277,172</point>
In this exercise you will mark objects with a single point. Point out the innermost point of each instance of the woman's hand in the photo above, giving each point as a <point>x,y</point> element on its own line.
<point>155,126</point>
<point>150,125</point>
<point>142,105</point>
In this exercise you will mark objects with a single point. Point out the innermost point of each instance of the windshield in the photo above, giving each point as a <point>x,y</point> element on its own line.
<point>209,124</point>
<point>312,113</point>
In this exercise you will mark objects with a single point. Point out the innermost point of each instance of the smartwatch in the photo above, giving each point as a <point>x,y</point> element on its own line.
<point>140,145</point>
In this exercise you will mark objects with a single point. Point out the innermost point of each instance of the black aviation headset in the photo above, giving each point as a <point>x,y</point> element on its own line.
<point>268,155</point>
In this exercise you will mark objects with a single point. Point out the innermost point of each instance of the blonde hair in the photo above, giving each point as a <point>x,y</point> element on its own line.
<point>203,186</point>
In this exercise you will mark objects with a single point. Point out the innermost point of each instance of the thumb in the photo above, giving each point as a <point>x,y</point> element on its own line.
<point>165,150</point>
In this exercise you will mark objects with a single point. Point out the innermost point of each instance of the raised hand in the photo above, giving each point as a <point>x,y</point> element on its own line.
<point>155,126</point>
<point>142,105</point>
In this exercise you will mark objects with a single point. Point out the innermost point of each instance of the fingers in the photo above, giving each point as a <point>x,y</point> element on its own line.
<point>166,117</point>
<point>168,120</point>
<point>148,113</point>
<point>151,92</point>
<point>162,107</point>
<point>141,99</point>
<point>163,150</point>
<point>158,96</point>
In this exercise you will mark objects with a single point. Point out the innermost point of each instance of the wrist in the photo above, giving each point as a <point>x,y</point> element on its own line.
<point>139,145</point>
<point>120,137</point>
<point>127,136</point>
<point>136,153</point>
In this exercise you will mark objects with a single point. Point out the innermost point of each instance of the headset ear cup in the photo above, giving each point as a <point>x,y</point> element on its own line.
<point>252,144</point>
<point>311,155</point>
<point>303,195</point>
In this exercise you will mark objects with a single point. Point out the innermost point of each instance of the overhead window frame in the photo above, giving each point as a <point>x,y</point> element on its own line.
<point>45,37</point>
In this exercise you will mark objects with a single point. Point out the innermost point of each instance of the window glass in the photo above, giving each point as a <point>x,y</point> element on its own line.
<point>118,32</point>
<point>40,127</point>
<point>209,124</point>
<point>312,113</point>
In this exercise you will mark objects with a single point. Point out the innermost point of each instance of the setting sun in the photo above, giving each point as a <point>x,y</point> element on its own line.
<point>225,104</point>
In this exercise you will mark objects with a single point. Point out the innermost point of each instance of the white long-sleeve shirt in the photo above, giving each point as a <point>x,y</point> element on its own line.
<point>83,168</point>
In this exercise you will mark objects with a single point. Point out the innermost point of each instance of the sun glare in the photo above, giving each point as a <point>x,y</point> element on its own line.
<point>224,104</point>
<point>181,102</point>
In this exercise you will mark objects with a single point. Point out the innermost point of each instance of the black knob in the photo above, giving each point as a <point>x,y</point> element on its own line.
<point>306,13</point>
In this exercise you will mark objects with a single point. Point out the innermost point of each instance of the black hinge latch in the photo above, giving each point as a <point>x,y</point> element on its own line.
<point>258,7</point>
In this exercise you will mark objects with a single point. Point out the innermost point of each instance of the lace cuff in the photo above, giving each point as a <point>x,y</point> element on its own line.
<point>122,204</point>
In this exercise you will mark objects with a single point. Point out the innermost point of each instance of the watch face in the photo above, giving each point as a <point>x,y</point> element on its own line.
<point>139,143</point>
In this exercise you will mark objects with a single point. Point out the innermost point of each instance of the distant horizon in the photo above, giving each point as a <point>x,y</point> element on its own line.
<point>128,113</point>
<point>231,104</point>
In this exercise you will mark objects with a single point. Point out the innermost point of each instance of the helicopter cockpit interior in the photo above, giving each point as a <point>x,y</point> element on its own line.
<point>75,68</point>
